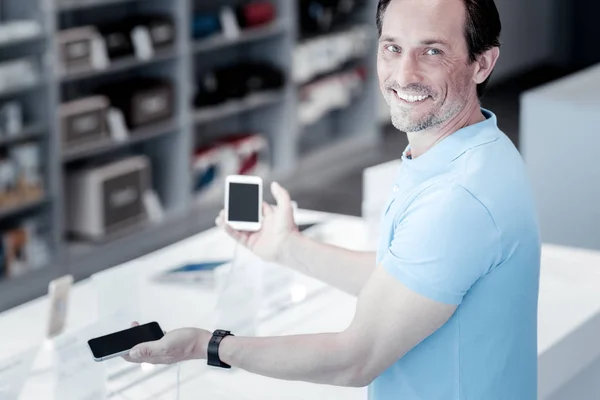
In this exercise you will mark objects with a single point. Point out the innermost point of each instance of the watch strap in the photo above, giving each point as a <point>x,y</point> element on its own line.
<point>213,348</point>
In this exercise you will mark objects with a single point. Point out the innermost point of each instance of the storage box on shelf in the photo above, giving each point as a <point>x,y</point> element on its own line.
<point>84,121</point>
<point>121,113</point>
<point>105,199</point>
<point>116,46</point>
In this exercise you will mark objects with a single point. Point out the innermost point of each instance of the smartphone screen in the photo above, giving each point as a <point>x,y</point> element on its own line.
<point>243,202</point>
<point>121,342</point>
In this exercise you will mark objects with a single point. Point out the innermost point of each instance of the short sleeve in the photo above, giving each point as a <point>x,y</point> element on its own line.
<point>443,243</point>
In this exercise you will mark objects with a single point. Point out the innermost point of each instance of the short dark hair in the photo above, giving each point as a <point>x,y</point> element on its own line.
<point>482,29</point>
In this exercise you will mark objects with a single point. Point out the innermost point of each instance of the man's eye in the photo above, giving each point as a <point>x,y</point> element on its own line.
<point>433,52</point>
<point>393,48</point>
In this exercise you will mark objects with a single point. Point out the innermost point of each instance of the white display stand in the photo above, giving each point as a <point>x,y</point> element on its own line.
<point>569,319</point>
<point>560,141</point>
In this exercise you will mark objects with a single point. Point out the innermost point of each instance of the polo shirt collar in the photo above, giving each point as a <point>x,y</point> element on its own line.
<point>453,146</point>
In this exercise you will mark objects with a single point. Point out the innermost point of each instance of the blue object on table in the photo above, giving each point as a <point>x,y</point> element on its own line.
<point>198,267</point>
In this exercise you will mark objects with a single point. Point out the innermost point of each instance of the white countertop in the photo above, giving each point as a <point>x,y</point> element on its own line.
<point>569,306</point>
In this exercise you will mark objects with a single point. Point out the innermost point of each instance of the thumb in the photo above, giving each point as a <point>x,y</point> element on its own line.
<point>282,197</point>
<point>140,351</point>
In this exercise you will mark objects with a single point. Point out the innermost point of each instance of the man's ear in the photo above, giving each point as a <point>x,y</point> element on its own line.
<point>485,64</point>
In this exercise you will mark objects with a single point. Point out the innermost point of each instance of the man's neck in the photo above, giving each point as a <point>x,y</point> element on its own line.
<point>422,141</point>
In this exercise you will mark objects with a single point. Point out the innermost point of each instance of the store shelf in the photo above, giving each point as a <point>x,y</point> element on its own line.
<point>85,4</point>
<point>22,208</point>
<point>119,65</point>
<point>246,36</point>
<point>30,132</point>
<point>235,107</point>
<point>21,41</point>
<point>136,136</point>
<point>21,89</point>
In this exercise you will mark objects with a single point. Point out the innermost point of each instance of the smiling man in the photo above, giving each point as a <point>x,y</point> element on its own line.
<point>447,306</point>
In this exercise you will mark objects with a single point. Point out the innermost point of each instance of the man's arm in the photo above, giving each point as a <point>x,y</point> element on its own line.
<point>390,320</point>
<point>344,269</point>
<point>279,241</point>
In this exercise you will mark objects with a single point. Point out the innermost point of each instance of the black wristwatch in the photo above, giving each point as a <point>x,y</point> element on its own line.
<point>213,348</point>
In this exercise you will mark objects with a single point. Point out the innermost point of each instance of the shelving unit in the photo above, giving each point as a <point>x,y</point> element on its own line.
<point>234,108</point>
<point>29,132</point>
<point>11,212</point>
<point>123,64</point>
<point>170,144</point>
<point>4,44</point>
<point>72,5</point>
<point>247,36</point>
<point>137,136</point>
<point>15,91</point>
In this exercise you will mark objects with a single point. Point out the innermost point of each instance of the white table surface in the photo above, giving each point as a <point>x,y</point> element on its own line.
<point>569,319</point>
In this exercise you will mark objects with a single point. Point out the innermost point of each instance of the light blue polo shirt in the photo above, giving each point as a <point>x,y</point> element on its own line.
<point>461,228</point>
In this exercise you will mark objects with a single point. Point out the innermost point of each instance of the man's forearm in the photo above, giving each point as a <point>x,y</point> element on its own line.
<point>323,358</point>
<point>344,269</point>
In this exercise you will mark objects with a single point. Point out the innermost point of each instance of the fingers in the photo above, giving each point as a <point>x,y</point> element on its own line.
<point>281,196</point>
<point>220,220</point>
<point>267,209</point>
<point>241,237</point>
<point>150,352</point>
<point>134,324</point>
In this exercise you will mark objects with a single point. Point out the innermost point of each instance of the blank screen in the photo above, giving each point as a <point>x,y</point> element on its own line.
<point>243,202</point>
<point>119,342</point>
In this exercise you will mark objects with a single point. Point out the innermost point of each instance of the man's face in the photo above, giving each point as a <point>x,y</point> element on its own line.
<point>423,62</point>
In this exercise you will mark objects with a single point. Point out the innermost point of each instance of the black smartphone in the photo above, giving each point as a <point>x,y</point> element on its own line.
<point>119,343</point>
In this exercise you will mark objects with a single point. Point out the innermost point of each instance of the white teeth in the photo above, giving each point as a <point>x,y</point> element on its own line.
<point>411,98</point>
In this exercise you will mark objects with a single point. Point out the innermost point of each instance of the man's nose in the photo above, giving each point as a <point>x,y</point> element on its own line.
<point>407,70</point>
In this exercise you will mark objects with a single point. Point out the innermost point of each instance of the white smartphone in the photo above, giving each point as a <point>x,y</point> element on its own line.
<point>58,293</point>
<point>243,202</point>
<point>120,343</point>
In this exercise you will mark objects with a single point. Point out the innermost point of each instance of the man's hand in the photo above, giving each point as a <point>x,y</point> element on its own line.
<point>178,345</point>
<point>277,225</point>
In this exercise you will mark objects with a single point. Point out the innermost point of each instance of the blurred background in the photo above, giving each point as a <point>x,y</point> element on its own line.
<point>120,118</point>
